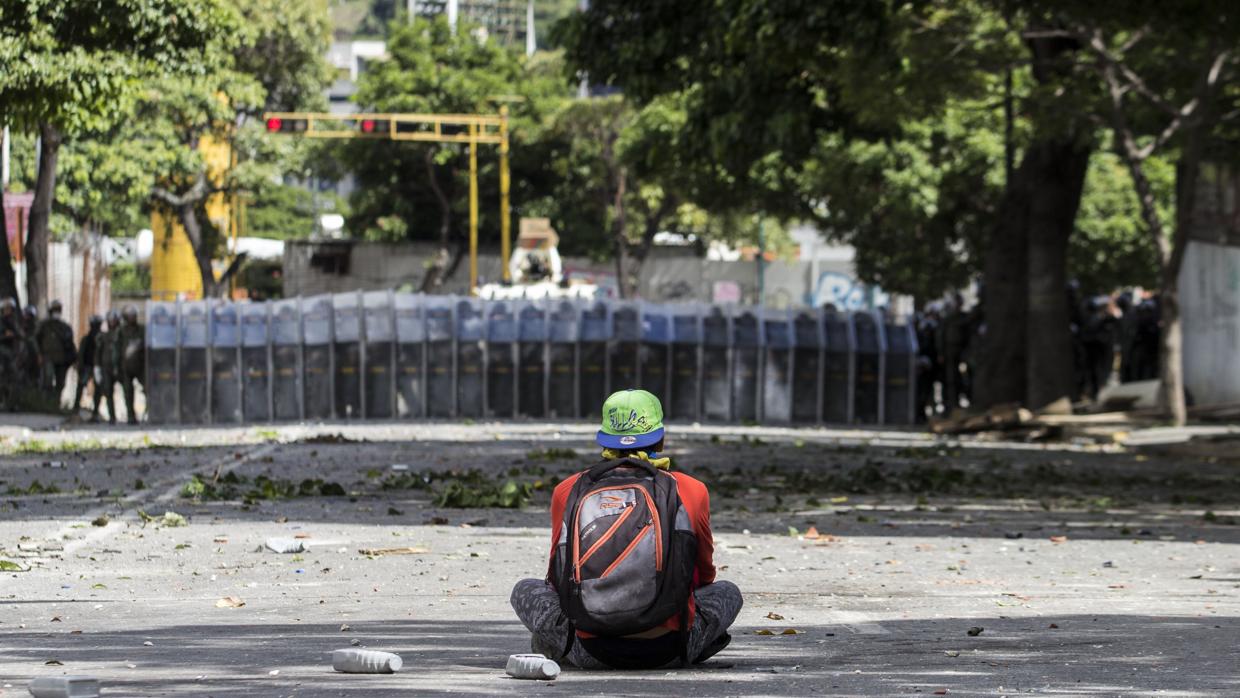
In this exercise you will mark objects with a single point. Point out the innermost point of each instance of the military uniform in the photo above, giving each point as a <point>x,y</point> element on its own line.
<point>10,351</point>
<point>130,351</point>
<point>54,338</point>
<point>88,358</point>
<point>105,365</point>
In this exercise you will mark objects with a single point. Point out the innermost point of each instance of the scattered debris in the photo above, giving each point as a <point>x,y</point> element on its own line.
<point>10,566</point>
<point>229,602</point>
<point>285,545</point>
<point>774,616</point>
<point>100,521</point>
<point>1059,539</point>
<point>378,552</point>
<point>357,661</point>
<point>170,519</point>
<point>976,630</point>
<point>785,631</point>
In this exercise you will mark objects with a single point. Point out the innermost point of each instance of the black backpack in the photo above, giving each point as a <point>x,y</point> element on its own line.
<point>626,553</point>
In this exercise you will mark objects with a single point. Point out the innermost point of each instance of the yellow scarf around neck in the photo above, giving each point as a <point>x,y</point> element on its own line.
<point>660,463</point>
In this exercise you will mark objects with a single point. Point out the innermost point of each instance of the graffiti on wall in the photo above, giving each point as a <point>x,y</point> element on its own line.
<point>846,293</point>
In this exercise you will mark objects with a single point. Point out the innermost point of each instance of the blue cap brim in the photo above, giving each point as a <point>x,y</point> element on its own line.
<point>629,440</point>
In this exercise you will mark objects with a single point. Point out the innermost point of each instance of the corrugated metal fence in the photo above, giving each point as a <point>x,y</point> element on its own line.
<point>386,355</point>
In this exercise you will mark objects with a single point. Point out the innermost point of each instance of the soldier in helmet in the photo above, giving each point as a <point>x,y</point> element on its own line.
<point>28,360</point>
<point>56,349</point>
<point>130,349</point>
<point>88,358</point>
<point>10,348</point>
<point>105,366</point>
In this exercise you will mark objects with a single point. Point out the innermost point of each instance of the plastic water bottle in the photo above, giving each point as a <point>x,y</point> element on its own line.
<point>532,666</point>
<point>358,661</point>
<point>64,687</point>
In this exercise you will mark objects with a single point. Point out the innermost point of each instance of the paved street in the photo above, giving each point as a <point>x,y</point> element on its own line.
<point>1089,570</point>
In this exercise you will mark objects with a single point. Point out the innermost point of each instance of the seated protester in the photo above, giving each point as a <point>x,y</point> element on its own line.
<point>631,583</point>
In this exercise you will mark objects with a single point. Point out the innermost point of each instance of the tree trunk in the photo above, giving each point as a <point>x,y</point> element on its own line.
<point>188,215</point>
<point>443,265</point>
<point>617,235</point>
<point>1005,299</point>
<point>40,217</point>
<point>1049,364</point>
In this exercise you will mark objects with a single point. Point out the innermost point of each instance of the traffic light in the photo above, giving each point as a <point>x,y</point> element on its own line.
<point>277,124</point>
<point>374,127</point>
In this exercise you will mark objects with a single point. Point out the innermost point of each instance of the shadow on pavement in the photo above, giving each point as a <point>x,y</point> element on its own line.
<point>1061,655</point>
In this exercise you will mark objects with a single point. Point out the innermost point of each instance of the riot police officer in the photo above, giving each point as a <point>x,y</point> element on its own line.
<point>105,367</point>
<point>130,349</point>
<point>88,358</point>
<point>56,350</point>
<point>10,350</point>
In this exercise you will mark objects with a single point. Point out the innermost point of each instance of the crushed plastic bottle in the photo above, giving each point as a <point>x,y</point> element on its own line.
<point>358,661</point>
<point>532,666</point>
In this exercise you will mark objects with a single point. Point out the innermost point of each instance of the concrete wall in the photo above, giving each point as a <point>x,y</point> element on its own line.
<point>674,275</point>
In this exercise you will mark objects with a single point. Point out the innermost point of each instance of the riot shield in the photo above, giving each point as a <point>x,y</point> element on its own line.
<point>378,356</point>
<point>470,373</point>
<point>624,349</point>
<point>255,362</point>
<point>653,354</point>
<point>192,367</point>
<point>839,366</point>
<point>532,359</point>
<point>562,361</point>
<point>777,360</point>
<point>592,382</point>
<point>287,394</point>
<point>501,359</point>
<point>318,372</point>
<point>410,355</point>
<point>685,399</point>
<point>161,354</point>
<point>746,365</point>
<point>716,366</point>
<point>225,363</point>
<point>347,355</point>
<point>806,367</point>
<point>440,357</point>
<point>869,376</point>
<point>900,374</point>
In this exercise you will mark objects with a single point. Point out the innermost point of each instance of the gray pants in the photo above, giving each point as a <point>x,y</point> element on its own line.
<point>538,606</point>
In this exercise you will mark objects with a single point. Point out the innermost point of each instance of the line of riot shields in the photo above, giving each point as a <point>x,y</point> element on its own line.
<point>387,355</point>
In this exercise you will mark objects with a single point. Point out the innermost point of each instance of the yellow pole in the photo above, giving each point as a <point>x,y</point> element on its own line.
<point>505,221</point>
<point>473,209</point>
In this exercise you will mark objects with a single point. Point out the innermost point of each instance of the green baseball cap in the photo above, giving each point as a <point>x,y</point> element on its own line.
<point>631,419</point>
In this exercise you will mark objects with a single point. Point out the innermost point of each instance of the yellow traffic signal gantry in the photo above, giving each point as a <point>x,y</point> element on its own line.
<point>470,129</point>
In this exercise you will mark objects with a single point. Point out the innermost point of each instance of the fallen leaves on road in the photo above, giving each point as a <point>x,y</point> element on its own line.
<point>785,631</point>
<point>229,602</point>
<point>10,566</point>
<point>376,552</point>
<point>100,521</point>
<point>774,616</point>
<point>170,519</point>
<point>54,662</point>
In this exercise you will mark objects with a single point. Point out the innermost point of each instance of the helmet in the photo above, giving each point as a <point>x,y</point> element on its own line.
<point>30,312</point>
<point>8,304</point>
<point>114,319</point>
<point>54,307</point>
<point>130,312</point>
<point>96,321</point>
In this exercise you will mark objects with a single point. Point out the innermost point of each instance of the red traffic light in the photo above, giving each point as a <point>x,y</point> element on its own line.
<point>274,125</point>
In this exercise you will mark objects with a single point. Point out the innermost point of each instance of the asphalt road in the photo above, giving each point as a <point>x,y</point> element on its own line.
<point>1090,571</point>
